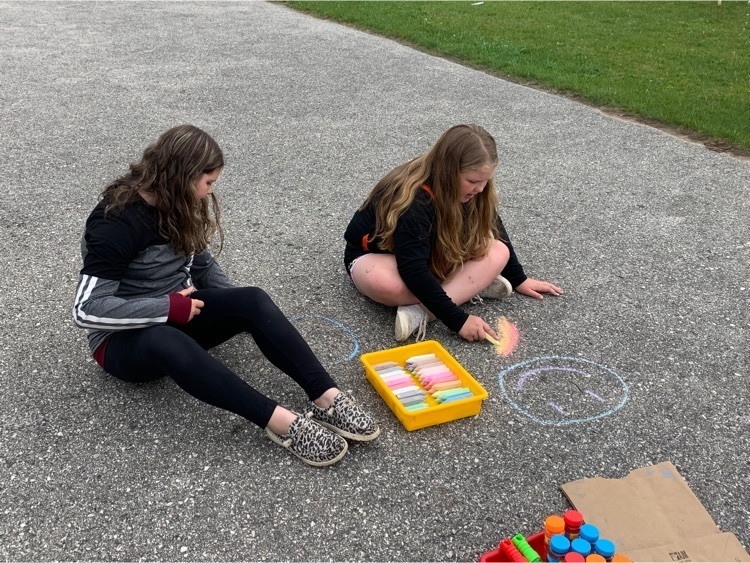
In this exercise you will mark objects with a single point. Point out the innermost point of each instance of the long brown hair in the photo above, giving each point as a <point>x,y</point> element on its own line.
<point>167,172</point>
<point>464,230</point>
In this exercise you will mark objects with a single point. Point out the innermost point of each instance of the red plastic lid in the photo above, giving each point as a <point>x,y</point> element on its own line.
<point>573,557</point>
<point>573,519</point>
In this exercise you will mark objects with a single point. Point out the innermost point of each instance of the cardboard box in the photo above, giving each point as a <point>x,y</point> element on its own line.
<point>652,515</point>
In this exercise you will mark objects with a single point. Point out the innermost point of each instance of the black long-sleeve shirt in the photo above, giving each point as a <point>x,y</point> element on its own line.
<point>413,240</point>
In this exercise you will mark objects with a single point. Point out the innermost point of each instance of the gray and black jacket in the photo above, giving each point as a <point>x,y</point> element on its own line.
<point>131,275</point>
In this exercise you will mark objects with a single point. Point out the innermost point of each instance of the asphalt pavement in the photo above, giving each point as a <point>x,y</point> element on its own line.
<point>647,233</point>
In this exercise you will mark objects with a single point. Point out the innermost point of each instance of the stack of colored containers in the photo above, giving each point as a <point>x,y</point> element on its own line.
<point>565,539</point>
<point>553,526</point>
<point>579,542</point>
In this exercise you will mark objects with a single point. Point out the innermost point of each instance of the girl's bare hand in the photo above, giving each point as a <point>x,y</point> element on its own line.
<point>196,308</point>
<point>475,329</point>
<point>196,305</point>
<point>535,288</point>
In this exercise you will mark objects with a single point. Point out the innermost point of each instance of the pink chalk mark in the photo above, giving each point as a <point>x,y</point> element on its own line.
<point>508,336</point>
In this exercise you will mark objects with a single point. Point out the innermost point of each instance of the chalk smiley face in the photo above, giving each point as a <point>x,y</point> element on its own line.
<point>560,390</point>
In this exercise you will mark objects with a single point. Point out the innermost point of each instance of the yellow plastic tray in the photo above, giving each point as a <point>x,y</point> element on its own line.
<point>435,413</point>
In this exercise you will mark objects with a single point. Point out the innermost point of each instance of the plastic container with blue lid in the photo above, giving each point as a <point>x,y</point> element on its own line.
<point>559,545</point>
<point>605,548</point>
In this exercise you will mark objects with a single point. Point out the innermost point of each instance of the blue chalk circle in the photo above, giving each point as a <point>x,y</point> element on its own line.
<point>347,330</point>
<point>562,390</point>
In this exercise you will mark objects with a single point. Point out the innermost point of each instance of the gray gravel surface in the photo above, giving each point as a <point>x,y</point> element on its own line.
<point>647,233</point>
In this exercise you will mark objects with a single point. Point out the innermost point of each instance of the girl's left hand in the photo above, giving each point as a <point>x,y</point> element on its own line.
<point>535,288</point>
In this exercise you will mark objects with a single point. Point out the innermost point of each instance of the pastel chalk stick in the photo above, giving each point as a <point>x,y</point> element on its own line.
<point>446,385</point>
<point>417,407</point>
<point>388,370</point>
<point>420,358</point>
<point>401,382</point>
<point>412,401</point>
<point>456,398</point>
<point>426,367</point>
<point>439,379</point>
<point>394,375</point>
<point>429,363</point>
<point>398,380</point>
<point>405,390</point>
<point>384,365</point>
<point>450,392</point>
<point>436,375</point>
<point>431,370</point>
<point>492,340</point>
<point>416,366</point>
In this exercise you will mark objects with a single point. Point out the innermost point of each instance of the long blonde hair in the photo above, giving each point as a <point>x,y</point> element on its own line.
<point>167,172</point>
<point>464,230</point>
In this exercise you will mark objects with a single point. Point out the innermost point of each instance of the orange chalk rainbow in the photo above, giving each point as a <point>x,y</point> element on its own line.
<point>508,337</point>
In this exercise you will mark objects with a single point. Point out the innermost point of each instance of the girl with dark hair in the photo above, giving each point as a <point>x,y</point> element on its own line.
<point>428,238</point>
<point>154,300</point>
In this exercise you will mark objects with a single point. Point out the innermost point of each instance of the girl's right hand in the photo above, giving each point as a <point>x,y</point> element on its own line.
<point>475,329</point>
<point>196,304</point>
<point>196,308</point>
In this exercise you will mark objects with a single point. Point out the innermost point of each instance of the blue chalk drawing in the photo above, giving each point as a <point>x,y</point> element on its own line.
<point>347,330</point>
<point>527,371</point>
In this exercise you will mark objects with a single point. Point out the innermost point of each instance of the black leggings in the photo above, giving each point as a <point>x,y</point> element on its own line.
<point>180,352</point>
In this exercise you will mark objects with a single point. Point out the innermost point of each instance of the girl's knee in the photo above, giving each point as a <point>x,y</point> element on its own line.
<point>383,287</point>
<point>394,287</point>
<point>500,252</point>
<point>255,294</point>
<point>255,298</point>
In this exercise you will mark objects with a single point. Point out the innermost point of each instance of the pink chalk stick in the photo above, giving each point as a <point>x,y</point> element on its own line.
<point>427,369</point>
<point>435,376</point>
<point>398,386</point>
<point>399,381</point>
<point>394,375</point>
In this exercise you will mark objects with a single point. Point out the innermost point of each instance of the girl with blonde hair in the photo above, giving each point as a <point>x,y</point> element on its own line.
<point>428,239</point>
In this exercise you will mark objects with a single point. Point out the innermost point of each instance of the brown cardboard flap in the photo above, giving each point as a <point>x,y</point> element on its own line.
<point>651,507</point>
<point>716,547</point>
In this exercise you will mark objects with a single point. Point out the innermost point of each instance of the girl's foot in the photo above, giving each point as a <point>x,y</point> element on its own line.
<point>346,418</point>
<point>310,442</point>
<point>408,319</point>
<point>500,288</point>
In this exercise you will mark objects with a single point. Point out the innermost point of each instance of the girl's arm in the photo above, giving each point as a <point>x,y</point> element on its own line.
<point>413,246</point>
<point>207,273</point>
<point>110,247</point>
<point>96,306</point>
<point>513,271</point>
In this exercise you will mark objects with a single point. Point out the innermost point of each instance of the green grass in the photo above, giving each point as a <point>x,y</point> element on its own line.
<point>682,64</point>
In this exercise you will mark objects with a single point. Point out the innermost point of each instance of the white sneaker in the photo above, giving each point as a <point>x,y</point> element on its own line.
<point>408,319</point>
<point>500,288</point>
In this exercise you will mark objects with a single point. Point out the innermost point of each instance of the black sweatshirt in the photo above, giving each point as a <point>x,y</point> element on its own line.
<point>413,239</point>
